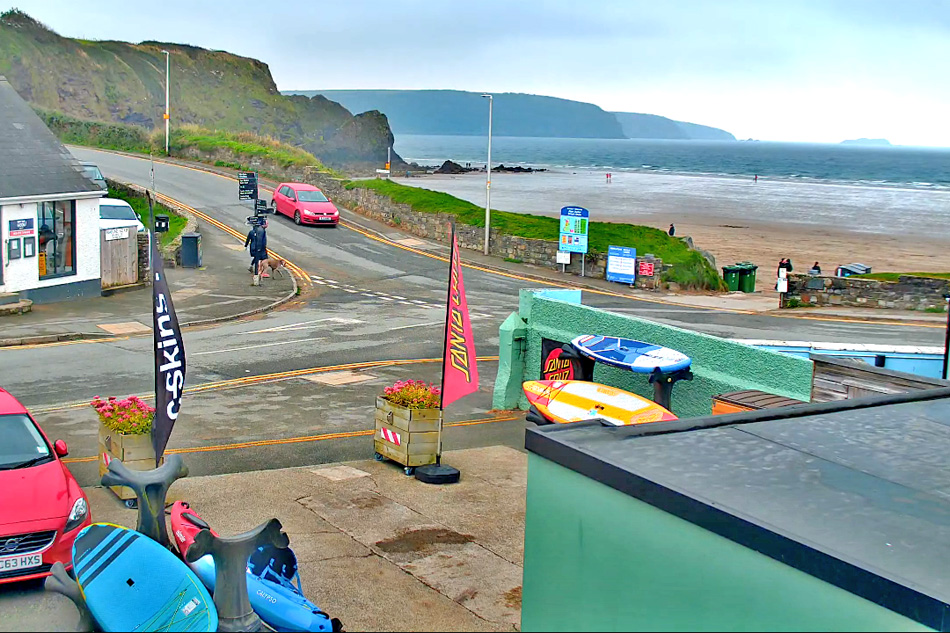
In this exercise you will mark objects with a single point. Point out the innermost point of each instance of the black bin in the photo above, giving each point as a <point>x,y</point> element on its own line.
<point>191,250</point>
<point>161,224</point>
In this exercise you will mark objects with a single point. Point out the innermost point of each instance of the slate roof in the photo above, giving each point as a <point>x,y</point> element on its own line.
<point>32,160</point>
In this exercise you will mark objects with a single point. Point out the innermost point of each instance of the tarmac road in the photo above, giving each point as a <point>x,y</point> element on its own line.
<point>370,301</point>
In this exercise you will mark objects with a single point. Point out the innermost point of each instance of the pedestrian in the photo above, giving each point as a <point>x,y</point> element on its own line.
<point>815,270</point>
<point>672,230</point>
<point>784,263</point>
<point>257,243</point>
<point>756,179</point>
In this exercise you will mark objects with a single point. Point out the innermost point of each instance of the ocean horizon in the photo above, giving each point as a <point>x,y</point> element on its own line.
<point>873,166</point>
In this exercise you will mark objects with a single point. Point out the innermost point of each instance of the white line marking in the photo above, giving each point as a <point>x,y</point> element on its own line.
<point>289,326</point>
<point>397,297</point>
<point>350,291</point>
<point>315,278</point>
<point>385,298</point>
<point>317,281</point>
<point>422,303</point>
<point>238,349</point>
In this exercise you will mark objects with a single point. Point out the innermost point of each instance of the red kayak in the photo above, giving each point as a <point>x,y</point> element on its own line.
<point>186,524</point>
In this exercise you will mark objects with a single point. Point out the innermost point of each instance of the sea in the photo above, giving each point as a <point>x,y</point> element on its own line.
<point>888,166</point>
<point>857,189</point>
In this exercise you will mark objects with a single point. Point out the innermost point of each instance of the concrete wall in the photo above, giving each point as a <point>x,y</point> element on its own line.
<point>719,365</point>
<point>596,559</point>
<point>908,293</point>
<point>23,276</point>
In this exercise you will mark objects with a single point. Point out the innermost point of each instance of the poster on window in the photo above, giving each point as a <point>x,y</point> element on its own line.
<point>557,364</point>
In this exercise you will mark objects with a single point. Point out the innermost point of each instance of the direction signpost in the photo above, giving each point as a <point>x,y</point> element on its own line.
<point>247,185</point>
<point>573,232</point>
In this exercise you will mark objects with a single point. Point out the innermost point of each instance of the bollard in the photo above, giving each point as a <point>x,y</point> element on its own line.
<point>230,556</point>
<point>60,582</point>
<point>151,488</point>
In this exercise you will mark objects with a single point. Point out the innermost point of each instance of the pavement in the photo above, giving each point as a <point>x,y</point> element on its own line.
<point>219,291</point>
<point>379,550</point>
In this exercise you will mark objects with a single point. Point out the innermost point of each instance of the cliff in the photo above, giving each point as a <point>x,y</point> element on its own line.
<point>120,82</point>
<point>653,126</point>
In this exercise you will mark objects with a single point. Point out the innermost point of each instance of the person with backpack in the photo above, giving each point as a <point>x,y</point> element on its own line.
<point>257,243</point>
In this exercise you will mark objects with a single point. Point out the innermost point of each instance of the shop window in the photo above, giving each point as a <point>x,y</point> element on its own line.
<point>57,239</point>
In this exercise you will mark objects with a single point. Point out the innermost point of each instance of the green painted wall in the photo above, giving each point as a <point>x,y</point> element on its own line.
<point>596,559</point>
<point>719,365</point>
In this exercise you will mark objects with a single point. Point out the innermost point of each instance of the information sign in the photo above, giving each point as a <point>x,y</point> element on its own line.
<point>20,228</point>
<point>621,264</point>
<point>645,269</point>
<point>247,185</point>
<point>573,229</point>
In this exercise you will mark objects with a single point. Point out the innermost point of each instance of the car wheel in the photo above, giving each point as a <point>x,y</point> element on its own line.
<point>297,218</point>
<point>273,206</point>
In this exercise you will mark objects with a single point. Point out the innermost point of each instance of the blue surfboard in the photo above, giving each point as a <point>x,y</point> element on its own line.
<point>131,583</point>
<point>635,356</point>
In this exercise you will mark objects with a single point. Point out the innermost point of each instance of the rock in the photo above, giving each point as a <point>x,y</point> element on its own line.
<point>451,167</point>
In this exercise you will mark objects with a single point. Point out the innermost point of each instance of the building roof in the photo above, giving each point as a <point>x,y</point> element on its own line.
<point>34,163</point>
<point>856,493</point>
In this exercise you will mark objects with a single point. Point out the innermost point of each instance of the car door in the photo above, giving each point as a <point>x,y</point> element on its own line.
<point>280,199</point>
<point>291,202</point>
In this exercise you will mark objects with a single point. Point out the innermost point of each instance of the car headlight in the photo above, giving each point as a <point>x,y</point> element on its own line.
<point>77,515</point>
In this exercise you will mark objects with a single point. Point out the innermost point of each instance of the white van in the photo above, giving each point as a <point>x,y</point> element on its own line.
<point>116,214</point>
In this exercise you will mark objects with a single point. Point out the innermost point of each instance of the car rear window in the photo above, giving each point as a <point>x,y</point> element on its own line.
<point>92,172</point>
<point>116,212</point>
<point>311,196</point>
<point>22,441</point>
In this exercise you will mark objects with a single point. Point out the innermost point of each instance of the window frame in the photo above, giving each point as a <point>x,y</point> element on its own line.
<point>71,209</point>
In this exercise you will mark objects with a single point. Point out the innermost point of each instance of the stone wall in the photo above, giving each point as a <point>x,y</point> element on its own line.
<point>907,293</point>
<point>436,227</point>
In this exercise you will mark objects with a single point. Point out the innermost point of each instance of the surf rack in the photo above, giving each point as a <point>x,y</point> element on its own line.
<point>662,381</point>
<point>231,556</point>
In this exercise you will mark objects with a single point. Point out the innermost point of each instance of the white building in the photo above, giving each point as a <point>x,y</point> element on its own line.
<point>49,211</point>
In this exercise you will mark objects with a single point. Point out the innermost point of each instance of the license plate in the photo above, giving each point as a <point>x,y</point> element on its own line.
<point>9,563</point>
<point>325,219</point>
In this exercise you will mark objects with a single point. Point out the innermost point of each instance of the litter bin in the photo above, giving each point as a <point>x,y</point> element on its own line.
<point>191,250</point>
<point>747,276</point>
<point>161,224</point>
<point>730,274</point>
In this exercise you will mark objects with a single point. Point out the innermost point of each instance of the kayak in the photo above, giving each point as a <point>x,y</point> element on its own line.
<point>273,582</point>
<point>636,356</point>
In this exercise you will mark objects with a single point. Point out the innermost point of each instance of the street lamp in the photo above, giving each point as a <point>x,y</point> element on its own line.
<point>946,342</point>
<point>166,100</point>
<point>488,176</point>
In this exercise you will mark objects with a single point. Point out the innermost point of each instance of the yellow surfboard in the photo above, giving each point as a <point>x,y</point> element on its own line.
<point>564,401</point>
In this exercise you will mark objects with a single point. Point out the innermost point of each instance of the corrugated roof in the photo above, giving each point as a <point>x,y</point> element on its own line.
<point>32,160</point>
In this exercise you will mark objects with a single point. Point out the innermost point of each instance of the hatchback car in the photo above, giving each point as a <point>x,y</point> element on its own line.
<point>306,204</point>
<point>42,508</point>
<point>117,214</point>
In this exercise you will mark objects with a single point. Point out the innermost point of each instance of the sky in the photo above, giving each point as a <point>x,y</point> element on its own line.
<point>789,70</point>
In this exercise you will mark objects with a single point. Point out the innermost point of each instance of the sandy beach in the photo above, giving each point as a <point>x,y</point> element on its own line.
<point>889,229</point>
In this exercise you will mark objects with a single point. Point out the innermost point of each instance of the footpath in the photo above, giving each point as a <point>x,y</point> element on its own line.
<point>379,550</point>
<point>219,291</point>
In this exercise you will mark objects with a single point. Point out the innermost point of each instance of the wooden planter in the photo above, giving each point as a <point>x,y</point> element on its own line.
<point>135,452</point>
<point>407,436</point>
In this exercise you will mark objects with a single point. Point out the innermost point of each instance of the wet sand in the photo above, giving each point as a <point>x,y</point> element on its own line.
<point>888,229</point>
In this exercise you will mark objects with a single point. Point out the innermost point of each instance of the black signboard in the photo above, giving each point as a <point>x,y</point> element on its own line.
<point>247,185</point>
<point>560,364</point>
<point>260,206</point>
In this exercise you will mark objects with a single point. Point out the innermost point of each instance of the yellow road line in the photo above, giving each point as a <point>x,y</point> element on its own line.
<point>266,378</point>
<point>294,440</point>
<point>560,285</point>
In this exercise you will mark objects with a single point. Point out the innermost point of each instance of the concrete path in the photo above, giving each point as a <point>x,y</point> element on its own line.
<point>220,290</point>
<point>379,550</point>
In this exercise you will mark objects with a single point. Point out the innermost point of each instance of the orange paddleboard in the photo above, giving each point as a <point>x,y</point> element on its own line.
<point>564,401</point>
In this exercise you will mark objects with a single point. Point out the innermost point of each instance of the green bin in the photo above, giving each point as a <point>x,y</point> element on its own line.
<point>730,274</point>
<point>747,276</point>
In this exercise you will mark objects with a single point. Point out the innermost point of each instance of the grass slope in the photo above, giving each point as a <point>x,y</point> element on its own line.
<point>690,269</point>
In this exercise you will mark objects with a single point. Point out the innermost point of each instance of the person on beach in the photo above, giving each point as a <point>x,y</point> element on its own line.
<point>756,179</point>
<point>672,230</point>
<point>815,270</point>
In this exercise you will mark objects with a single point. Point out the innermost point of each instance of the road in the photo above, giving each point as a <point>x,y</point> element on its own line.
<point>372,301</point>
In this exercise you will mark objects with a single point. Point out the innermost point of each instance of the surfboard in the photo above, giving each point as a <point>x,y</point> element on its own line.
<point>626,353</point>
<point>565,401</point>
<point>271,574</point>
<point>131,583</point>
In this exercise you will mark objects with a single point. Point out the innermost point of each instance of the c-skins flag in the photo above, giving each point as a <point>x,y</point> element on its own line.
<point>459,370</point>
<point>169,357</point>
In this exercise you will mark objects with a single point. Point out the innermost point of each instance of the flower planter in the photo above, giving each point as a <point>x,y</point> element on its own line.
<point>407,436</point>
<point>135,452</point>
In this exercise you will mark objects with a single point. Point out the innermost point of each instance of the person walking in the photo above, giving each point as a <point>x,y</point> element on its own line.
<point>756,179</point>
<point>257,243</point>
<point>672,230</point>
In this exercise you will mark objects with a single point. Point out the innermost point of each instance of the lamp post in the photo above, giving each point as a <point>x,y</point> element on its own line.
<point>167,65</point>
<point>488,176</point>
<point>946,343</point>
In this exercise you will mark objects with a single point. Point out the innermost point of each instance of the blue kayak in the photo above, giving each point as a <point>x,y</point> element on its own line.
<point>635,356</point>
<point>278,600</point>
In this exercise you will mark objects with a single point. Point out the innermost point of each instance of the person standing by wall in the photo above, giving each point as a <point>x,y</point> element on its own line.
<point>672,231</point>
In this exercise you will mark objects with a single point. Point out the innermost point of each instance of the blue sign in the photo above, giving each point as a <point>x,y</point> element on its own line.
<point>21,227</point>
<point>621,264</point>
<point>573,230</point>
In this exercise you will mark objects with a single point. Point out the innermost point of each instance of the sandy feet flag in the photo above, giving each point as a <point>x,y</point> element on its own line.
<point>169,356</point>
<point>459,370</point>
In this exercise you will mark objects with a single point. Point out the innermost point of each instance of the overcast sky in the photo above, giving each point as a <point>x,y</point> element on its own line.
<point>790,70</point>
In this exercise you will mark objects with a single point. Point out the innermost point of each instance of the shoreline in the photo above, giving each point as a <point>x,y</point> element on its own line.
<point>889,229</point>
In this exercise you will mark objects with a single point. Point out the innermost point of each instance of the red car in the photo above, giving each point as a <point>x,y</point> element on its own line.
<point>305,204</point>
<point>42,508</point>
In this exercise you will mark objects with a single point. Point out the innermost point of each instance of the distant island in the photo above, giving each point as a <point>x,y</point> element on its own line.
<point>873,142</point>
<point>456,112</point>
